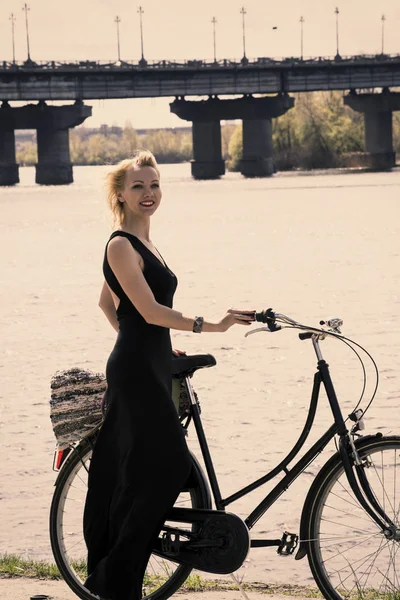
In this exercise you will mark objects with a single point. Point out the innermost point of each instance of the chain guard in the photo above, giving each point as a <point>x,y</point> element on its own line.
<point>219,541</point>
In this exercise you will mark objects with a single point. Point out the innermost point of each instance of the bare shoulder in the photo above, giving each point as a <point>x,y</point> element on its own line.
<point>119,243</point>
<point>120,249</point>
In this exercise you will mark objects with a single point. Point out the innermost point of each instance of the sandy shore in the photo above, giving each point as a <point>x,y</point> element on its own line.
<point>23,589</point>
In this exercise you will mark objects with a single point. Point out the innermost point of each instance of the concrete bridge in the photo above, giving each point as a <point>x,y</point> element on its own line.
<point>88,80</point>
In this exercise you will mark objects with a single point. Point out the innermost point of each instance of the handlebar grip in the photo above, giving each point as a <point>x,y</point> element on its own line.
<point>265,315</point>
<point>306,336</point>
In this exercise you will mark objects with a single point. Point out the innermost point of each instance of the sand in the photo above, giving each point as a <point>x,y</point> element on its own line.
<point>23,589</point>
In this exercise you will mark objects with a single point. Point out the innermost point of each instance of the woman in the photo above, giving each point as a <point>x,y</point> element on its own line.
<point>140,461</point>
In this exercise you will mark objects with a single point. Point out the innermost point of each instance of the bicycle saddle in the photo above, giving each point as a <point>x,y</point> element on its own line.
<point>185,366</point>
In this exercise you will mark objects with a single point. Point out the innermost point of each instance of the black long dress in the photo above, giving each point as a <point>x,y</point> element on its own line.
<point>140,461</point>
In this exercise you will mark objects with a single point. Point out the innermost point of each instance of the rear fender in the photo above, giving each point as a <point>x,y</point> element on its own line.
<point>80,449</point>
<point>199,473</point>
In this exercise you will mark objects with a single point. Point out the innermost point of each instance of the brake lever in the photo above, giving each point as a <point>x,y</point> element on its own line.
<point>275,328</point>
<point>256,331</point>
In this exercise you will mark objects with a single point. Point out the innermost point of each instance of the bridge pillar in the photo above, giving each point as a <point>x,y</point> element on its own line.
<point>378,132</point>
<point>8,166</point>
<point>52,124</point>
<point>257,158</point>
<point>54,165</point>
<point>207,160</point>
<point>256,114</point>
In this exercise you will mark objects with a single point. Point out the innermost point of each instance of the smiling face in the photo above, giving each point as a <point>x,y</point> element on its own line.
<point>141,194</point>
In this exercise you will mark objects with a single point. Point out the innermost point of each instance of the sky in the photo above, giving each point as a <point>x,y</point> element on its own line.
<point>182,29</point>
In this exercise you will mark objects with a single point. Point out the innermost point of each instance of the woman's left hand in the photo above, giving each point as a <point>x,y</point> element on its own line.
<point>178,352</point>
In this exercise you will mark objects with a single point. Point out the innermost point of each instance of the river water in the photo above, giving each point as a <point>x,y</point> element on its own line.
<point>311,246</point>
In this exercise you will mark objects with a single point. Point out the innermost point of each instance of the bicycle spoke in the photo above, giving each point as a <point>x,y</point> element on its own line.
<point>383,488</point>
<point>79,500</point>
<point>356,584</point>
<point>341,525</point>
<point>370,569</point>
<point>353,556</point>
<point>350,514</point>
<point>83,481</point>
<point>347,539</point>
<point>338,536</point>
<point>347,549</point>
<point>354,503</point>
<point>363,561</point>
<point>396,516</point>
<point>388,569</point>
<point>383,480</point>
<point>350,494</point>
<point>68,550</point>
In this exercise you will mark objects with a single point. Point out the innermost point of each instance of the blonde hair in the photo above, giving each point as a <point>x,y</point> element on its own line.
<point>115,180</point>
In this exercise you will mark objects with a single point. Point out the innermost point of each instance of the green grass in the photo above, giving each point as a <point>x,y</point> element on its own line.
<point>13,566</point>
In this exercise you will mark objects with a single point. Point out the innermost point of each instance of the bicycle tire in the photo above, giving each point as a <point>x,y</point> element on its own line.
<point>73,571</point>
<point>347,561</point>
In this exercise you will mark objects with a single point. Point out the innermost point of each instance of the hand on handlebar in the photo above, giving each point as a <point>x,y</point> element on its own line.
<point>236,317</point>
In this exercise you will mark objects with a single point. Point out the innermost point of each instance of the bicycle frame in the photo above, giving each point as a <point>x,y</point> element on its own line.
<point>348,454</point>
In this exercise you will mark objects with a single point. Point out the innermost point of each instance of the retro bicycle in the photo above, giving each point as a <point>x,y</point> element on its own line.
<point>350,521</point>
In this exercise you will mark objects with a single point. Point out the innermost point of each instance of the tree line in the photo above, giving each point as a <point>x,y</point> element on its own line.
<point>319,132</point>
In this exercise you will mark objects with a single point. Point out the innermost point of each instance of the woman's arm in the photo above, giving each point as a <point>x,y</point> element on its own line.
<point>124,261</point>
<point>106,304</point>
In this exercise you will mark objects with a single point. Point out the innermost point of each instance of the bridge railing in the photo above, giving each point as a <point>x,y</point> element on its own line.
<point>89,65</point>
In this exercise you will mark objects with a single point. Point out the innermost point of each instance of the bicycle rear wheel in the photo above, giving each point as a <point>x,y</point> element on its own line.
<point>349,555</point>
<point>162,578</point>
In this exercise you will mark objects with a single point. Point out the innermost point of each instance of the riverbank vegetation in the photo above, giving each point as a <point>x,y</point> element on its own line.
<point>319,132</point>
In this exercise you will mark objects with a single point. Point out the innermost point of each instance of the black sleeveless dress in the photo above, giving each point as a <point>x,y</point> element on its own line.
<point>140,461</point>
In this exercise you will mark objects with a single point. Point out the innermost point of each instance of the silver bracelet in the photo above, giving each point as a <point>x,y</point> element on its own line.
<point>198,324</point>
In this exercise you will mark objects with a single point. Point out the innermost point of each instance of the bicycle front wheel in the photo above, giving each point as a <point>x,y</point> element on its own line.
<point>162,577</point>
<point>350,557</point>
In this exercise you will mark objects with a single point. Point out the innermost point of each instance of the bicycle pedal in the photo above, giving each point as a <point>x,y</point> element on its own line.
<point>170,544</point>
<point>288,544</point>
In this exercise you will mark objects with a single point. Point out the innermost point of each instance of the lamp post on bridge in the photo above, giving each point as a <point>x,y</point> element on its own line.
<point>214,22</point>
<point>383,19</point>
<point>337,32</point>
<point>26,8</point>
<point>118,21</point>
<point>301,36</point>
<point>243,13</point>
<point>142,61</point>
<point>12,19</point>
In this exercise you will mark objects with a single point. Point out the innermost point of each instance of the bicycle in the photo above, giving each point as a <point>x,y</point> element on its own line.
<point>350,521</point>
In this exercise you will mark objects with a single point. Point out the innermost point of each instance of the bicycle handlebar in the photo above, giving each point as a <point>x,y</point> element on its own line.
<point>265,316</point>
<point>306,336</point>
<point>270,318</point>
<point>275,321</point>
